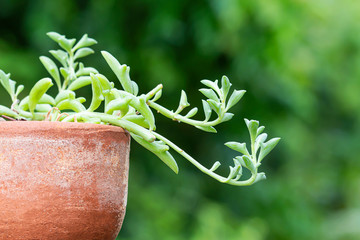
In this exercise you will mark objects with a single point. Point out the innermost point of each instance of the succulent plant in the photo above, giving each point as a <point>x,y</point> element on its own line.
<point>130,110</point>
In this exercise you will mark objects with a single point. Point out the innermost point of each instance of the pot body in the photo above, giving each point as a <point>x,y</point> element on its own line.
<point>62,180</point>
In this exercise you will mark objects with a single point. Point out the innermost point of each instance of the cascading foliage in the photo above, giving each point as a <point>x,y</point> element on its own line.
<point>127,109</point>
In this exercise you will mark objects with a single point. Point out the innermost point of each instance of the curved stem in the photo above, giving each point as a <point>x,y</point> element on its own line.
<point>177,117</point>
<point>216,176</point>
<point>114,120</point>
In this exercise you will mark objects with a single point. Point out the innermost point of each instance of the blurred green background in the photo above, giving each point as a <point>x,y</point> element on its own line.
<point>299,61</point>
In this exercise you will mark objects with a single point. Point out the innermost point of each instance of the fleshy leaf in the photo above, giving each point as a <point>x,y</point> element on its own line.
<point>259,177</point>
<point>209,93</point>
<point>225,86</point>
<point>97,95</point>
<point>265,148</point>
<point>248,163</point>
<point>207,110</point>
<point>73,104</point>
<point>215,166</point>
<point>235,98</point>
<point>38,90</point>
<point>260,130</point>
<point>239,147</point>
<point>83,52</point>
<point>215,106</point>
<point>7,112</point>
<point>165,156</point>
<point>60,55</point>
<point>192,112</point>
<point>53,70</point>
<point>79,83</point>
<point>65,43</point>
<point>210,84</point>
<point>227,117</point>
<point>260,139</point>
<point>183,102</point>
<point>207,128</point>
<point>252,125</point>
<point>19,89</point>
<point>121,71</point>
<point>85,41</point>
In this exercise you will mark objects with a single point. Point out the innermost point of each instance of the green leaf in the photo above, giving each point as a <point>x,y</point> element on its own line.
<point>227,117</point>
<point>83,52</point>
<point>260,130</point>
<point>105,83</point>
<point>72,104</point>
<point>137,119</point>
<point>51,67</point>
<point>81,99</point>
<point>183,99</point>
<point>260,139</point>
<point>259,177</point>
<point>85,41</point>
<point>55,36</point>
<point>145,110</point>
<point>38,91</point>
<point>93,120</point>
<point>160,152</point>
<point>121,104</point>
<point>64,72</point>
<point>97,96</point>
<point>216,106</point>
<point>210,84</point>
<point>225,86</point>
<point>7,112</point>
<point>60,55</point>
<point>207,110</point>
<point>235,98</point>
<point>183,102</point>
<point>248,163</point>
<point>209,94</point>
<point>7,83</point>
<point>12,86</point>
<point>265,148</point>
<point>239,147</point>
<point>252,126</point>
<point>43,108</point>
<point>79,83</point>
<point>106,86</point>
<point>192,112</point>
<point>239,160</point>
<point>24,103</point>
<point>134,86</point>
<point>121,71</point>
<point>157,96</point>
<point>19,89</point>
<point>85,71</point>
<point>47,99</point>
<point>64,94</point>
<point>65,43</point>
<point>206,128</point>
<point>215,166</point>
<point>234,171</point>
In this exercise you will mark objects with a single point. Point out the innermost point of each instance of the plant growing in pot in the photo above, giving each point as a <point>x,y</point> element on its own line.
<point>64,166</point>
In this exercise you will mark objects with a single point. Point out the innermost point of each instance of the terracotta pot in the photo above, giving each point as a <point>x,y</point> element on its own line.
<point>62,180</point>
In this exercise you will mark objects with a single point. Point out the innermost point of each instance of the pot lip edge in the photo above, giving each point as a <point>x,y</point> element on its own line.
<point>46,125</point>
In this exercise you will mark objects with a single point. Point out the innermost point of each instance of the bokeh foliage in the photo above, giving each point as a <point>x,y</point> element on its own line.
<point>298,60</point>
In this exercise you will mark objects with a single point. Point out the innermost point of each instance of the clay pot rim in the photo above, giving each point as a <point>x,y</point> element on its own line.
<point>31,126</point>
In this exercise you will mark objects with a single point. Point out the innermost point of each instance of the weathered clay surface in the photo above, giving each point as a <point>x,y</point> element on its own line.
<point>62,180</point>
